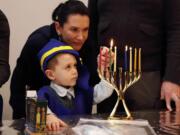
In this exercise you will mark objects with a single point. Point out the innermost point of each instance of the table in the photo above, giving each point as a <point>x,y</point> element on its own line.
<point>163,122</point>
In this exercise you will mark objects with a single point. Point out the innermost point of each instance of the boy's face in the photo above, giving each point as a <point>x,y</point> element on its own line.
<point>64,72</point>
<point>75,30</point>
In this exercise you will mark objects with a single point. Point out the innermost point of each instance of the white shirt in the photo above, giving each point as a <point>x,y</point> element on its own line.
<point>62,92</point>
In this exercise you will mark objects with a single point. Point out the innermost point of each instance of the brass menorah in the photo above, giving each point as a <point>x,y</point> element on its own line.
<point>127,76</point>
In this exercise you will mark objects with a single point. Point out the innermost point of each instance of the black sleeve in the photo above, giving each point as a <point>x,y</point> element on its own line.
<point>172,27</point>
<point>26,64</point>
<point>4,49</point>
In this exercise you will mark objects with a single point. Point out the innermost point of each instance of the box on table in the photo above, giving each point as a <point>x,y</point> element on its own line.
<point>36,114</point>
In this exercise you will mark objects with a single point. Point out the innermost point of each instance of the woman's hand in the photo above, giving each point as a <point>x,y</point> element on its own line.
<point>53,123</point>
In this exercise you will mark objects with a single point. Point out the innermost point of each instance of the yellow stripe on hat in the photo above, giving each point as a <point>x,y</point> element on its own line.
<point>55,49</point>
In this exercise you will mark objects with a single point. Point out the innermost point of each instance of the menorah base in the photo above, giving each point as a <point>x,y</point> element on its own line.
<point>120,117</point>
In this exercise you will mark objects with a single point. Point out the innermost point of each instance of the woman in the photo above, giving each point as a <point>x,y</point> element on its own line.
<point>71,25</point>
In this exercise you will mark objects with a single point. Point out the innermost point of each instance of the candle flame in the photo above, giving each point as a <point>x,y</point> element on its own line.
<point>126,48</point>
<point>111,43</point>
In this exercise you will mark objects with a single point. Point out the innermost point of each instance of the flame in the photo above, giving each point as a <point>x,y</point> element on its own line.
<point>111,43</point>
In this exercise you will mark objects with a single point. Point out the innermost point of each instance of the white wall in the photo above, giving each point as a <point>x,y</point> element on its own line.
<point>24,17</point>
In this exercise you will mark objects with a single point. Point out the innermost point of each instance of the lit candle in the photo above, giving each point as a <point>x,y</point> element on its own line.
<point>130,59</point>
<point>135,59</point>
<point>110,51</point>
<point>139,61</point>
<point>125,58</point>
<point>115,58</point>
<point>111,44</point>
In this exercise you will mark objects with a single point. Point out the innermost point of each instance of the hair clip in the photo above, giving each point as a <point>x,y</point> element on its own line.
<point>56,18</point>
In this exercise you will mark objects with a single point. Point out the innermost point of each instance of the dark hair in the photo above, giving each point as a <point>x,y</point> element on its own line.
<point>62,11</point>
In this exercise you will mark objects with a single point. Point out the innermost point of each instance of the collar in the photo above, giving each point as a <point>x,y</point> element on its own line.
<point>62,92</point>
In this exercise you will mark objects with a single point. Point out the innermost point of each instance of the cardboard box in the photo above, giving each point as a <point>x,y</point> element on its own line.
<point>36,114</point>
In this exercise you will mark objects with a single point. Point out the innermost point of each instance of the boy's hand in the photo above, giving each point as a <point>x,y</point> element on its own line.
<point>54,123</point>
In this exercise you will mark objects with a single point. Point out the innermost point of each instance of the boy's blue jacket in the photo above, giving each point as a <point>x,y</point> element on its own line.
<point>81,104</point>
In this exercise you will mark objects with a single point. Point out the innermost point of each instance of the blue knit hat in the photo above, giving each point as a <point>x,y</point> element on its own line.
<point>51,49</point>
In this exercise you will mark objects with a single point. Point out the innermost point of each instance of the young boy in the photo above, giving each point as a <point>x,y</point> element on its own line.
<point>69,92</point>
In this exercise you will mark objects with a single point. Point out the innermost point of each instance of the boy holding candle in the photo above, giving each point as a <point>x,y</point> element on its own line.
<point>69,92</point>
